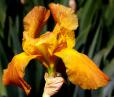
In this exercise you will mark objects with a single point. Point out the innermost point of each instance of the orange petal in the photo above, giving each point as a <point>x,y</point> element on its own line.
<point>64,16</point>
<point>65,35</point>
<point>46,44</point>
<point>34,20</point>
<point>29,45</point>
<point>60,46</point>
<point>42,46</point>
<point>66,22</point>
<point>81,70</point>
<point>70,38</point>
<point>15,72</point>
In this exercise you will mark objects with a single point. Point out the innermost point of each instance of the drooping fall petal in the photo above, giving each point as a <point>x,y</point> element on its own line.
<point>16,69</point>
<point>34,20</point>
<point>64,16</point>
<point>81,70</point>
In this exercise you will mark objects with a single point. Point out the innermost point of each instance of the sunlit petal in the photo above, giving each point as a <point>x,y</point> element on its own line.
<point>29,45</point>
<point>34,20</point>
<point>81,70</point>
<point>15,72</point>
<point>49,40</point>
<point>65,35</point>
<point>64,16</point>
<point>70,38</point>
<point>60,46</point>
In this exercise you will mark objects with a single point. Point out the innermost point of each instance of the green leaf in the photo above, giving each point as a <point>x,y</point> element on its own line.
<point>81,39</point>
<point>90,8</point>
<point>86,16</point>
<point>110,45</point>
<point>2,87</point>
<point>99,56</point>
<point>38,76</point>
<point>108,90</point>
<point>3,57</point>
<point>108,14</point>
<point>109,69</point>
<point>14,41</point>
<point>94,42</point>
<point>103,53</point>
<point>2,16</point>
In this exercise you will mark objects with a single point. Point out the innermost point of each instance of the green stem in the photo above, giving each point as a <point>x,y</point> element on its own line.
<point>2,87</point>
<point>51,70</point>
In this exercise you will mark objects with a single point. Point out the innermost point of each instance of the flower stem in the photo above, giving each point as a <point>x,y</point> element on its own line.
<point>51,70</point>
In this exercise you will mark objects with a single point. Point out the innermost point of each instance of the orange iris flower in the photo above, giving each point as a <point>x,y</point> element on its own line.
<point>46,48</point>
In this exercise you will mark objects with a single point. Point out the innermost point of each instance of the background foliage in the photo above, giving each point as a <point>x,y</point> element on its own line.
<point>95,37</point>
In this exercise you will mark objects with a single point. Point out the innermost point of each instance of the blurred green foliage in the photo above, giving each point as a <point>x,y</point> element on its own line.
<point>95,37</point>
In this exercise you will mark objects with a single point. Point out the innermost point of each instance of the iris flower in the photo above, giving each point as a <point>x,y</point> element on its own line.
<point>50,46</point>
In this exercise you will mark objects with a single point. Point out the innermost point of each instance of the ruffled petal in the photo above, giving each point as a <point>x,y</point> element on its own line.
<point>29,45</point>
<point>66,22</point>
<point>49,39</point>
<point>15,72</point>
<point>46,45</point>
<point>34,20</point>
<point>70,38</point>
<point>65,35</point>
<point>81,70</point>
<point>64,16</point>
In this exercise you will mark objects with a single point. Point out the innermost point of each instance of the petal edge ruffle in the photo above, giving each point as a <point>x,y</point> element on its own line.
<point>81,70</point>
<point>35,20</point>
<point>15,72</point>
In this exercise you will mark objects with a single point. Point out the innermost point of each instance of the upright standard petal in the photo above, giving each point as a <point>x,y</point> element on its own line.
<point>15,72</point>
<point>64,16</point>
<point>46,45</point>
<point>81,70</point>
<point>29,45</point>
<point>34,20</point>
<point>67,22</point>
<point>70,38</point>
<point>65,35</point>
